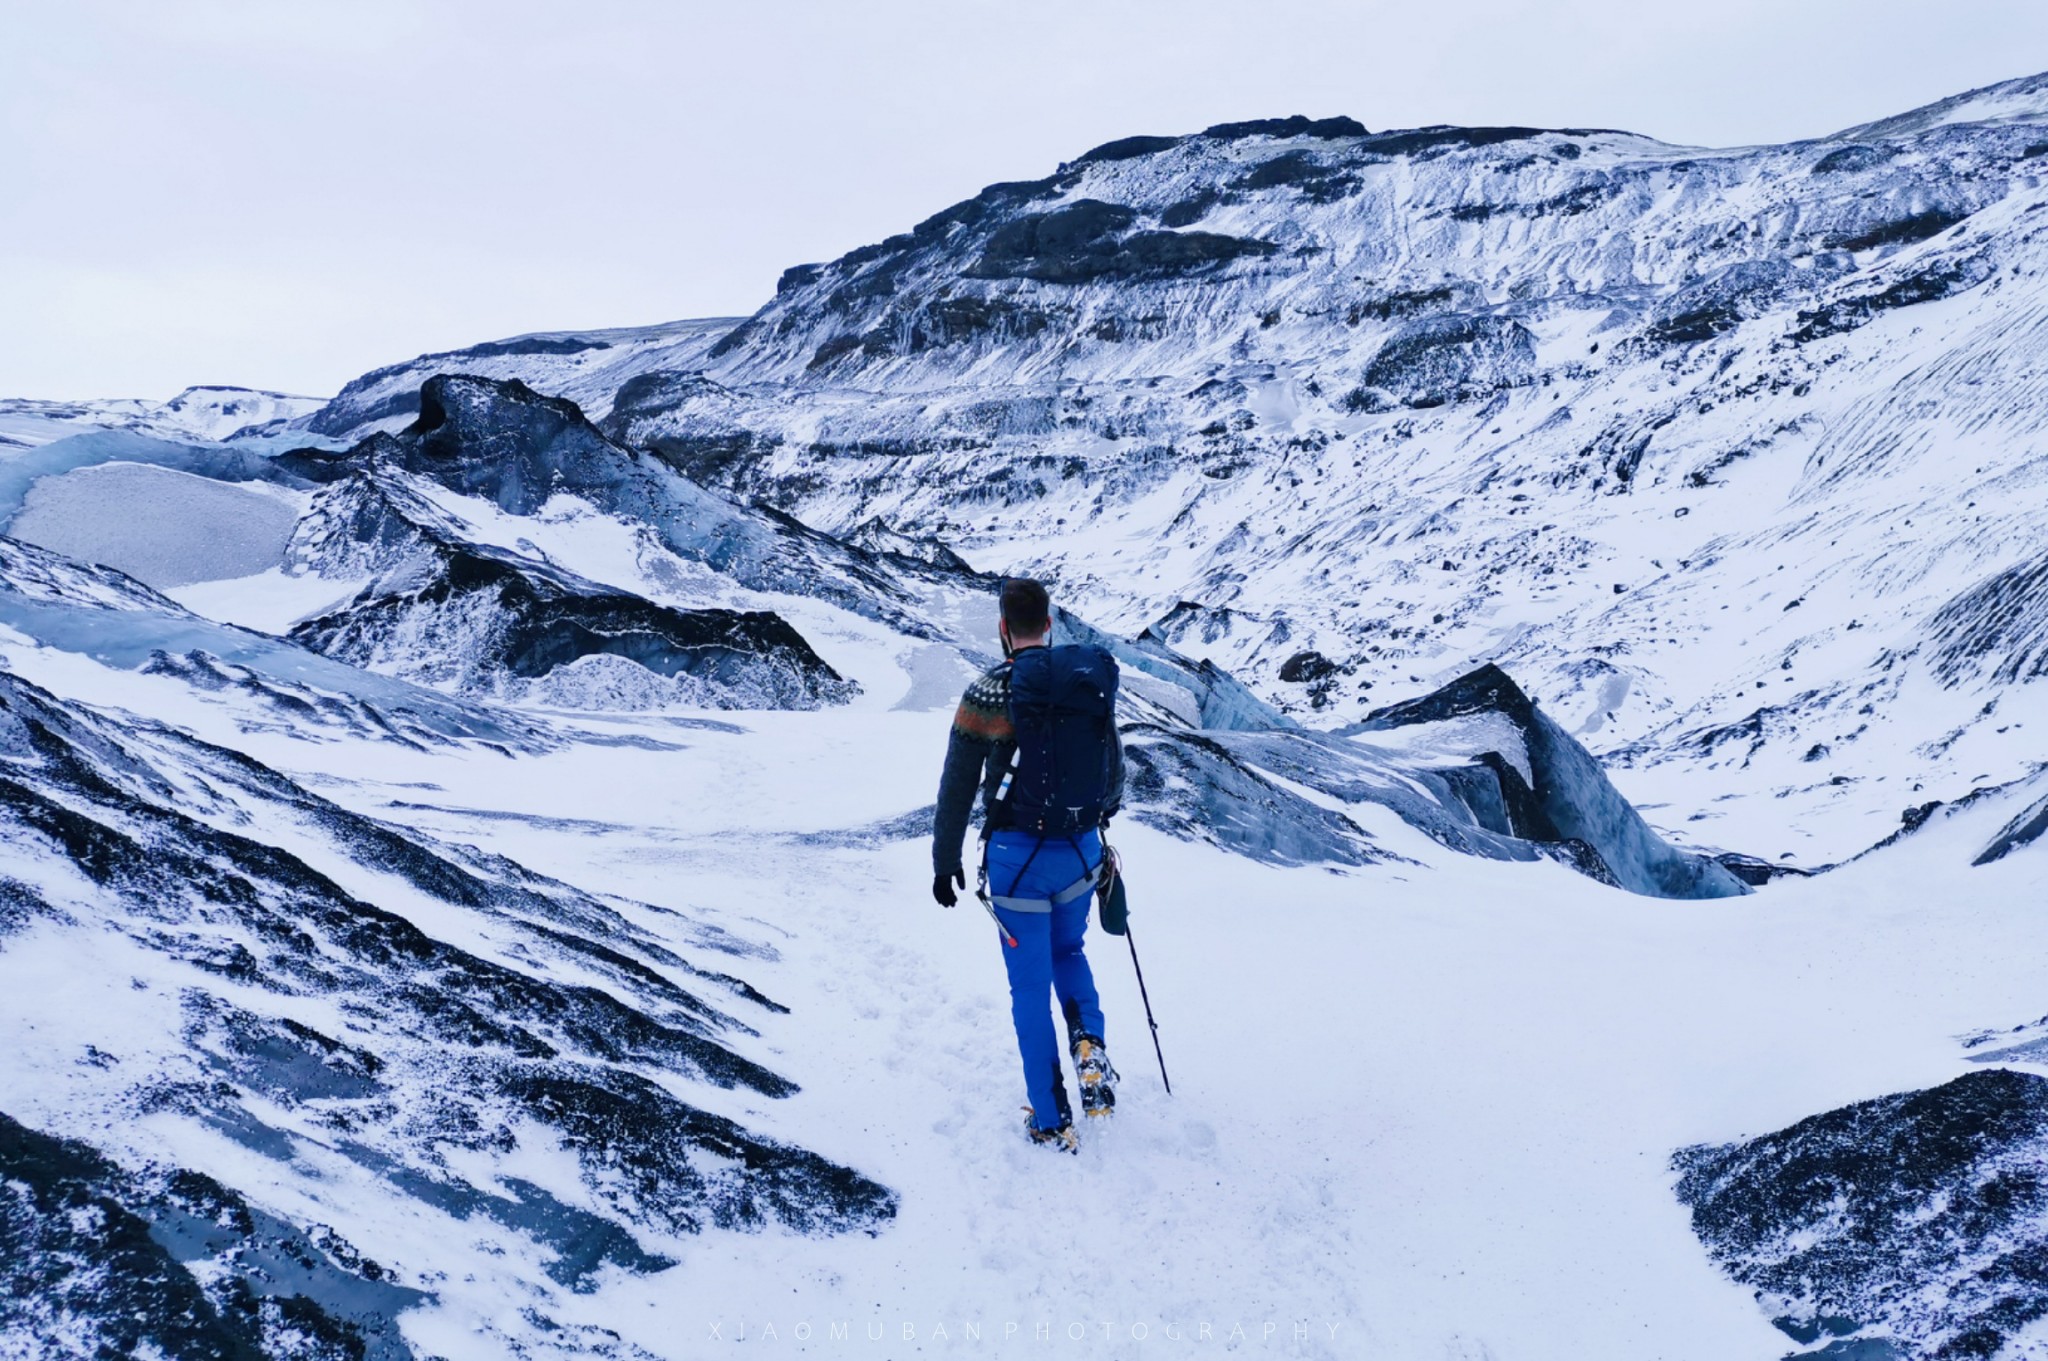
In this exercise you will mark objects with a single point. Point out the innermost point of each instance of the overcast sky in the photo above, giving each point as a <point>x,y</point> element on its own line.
<point>284,193</point>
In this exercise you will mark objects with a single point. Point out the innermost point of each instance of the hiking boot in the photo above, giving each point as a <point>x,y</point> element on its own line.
<point>1096,1075</point>
<point>1062,1138</point>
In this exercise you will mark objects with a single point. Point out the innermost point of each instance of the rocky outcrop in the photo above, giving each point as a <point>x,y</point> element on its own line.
<point>1897,1229</point>
<point>484,621</point>
<point>1545,787</point>
<point>96,1261</point>
<point>1439,359</point>
<point>1558,360</point>
<point>1090,240</point>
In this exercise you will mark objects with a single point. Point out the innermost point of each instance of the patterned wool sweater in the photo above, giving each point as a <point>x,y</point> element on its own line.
<point>978,754</point>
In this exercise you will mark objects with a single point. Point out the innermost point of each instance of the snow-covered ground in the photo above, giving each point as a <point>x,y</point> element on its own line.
<point>1420,1109</point>
<point>1430,1107</point>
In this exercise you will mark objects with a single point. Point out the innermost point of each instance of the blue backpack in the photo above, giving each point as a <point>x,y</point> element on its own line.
<point>1063,708</point>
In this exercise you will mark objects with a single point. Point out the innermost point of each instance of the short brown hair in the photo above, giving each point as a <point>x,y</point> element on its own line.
<point>1026,607</point>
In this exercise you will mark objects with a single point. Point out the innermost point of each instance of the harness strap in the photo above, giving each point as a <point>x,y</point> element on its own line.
<point>1018,877</point>
<point>1079,888</point>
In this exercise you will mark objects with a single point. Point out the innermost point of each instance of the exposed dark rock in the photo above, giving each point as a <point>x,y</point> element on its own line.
<point>345,413</point>
<point>833,350</point>
<point>1718,304</point>
<point>1297,126</point>
<point>666,1163</point>
<point>442,1045</point>
<point>1191,786</point>
<point>1901,231</point>
<point>1941,280</point>
<point>1156,255</point>
<point>485,612</point>
<point>1756,873</point>
<point>1853,157</point>
<point>472,617</point>
<point>1127,148</point>
<point>1191,209</point>
<point>1997,628</point>
<point>1569,797</point>
<point>526,345</point>
<point>502,441</point>
<point>1581,198</point>
<point>1082,242</point>
<point>1401,304</point>
<point>797,276</point>
<point>1313,179</point>
<point>1439,359</point>
<point>950,320</point>
<point>875,535</point>
<point>1487,690</point>
<point>1441,139</point>
<point>96,1262</point>
<point>713,458</point>
<point>1062,231</point>
<point>323,465</point>
<point>1304,667</point>
<point>1921,1218</point>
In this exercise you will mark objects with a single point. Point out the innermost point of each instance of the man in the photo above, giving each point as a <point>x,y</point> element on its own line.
<point>1038,736</point>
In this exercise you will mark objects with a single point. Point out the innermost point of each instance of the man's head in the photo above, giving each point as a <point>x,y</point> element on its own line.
<point>1027,613</point>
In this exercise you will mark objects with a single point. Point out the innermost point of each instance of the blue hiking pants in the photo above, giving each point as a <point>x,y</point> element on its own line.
<point>1029,878</point>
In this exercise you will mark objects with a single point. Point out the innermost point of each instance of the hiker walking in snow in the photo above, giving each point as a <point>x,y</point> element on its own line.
<point>1038,736</point>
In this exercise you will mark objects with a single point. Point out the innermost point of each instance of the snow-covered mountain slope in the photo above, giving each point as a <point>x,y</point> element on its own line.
<point>455,592</point>
<point>460,544</point>
<point>587,367</point>
<point>1718,451</point>
<point>211,413</point>
<point>388,1039</point>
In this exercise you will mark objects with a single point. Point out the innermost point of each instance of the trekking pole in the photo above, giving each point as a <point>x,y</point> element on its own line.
<point>1148,1008</point>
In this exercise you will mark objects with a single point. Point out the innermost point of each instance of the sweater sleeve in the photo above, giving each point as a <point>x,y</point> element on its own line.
<point>981,725</point>
<point>958,783</point>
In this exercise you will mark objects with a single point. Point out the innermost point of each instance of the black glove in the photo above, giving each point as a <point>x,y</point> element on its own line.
<point>943,891</point>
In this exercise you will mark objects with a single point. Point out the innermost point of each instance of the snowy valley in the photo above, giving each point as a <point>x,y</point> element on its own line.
<point>1583,609</point>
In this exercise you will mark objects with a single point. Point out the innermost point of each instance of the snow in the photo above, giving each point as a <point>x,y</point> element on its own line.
<point>1434,1113</point>
<point>270,601</point>
<point>161,526</point>
<point>211,414</point>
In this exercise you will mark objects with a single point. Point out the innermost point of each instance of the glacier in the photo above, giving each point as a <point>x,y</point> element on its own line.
<point>1581,610</point>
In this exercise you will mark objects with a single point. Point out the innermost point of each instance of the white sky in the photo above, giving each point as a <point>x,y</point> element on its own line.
<point>285,193</point>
